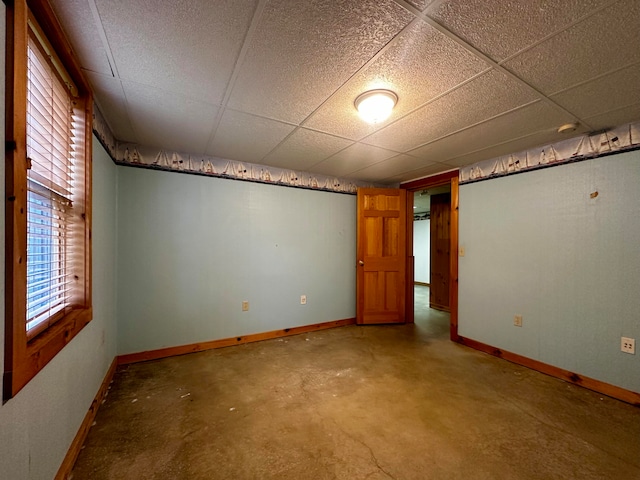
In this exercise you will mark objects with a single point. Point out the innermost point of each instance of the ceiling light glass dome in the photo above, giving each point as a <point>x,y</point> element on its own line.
<point>375,106</point>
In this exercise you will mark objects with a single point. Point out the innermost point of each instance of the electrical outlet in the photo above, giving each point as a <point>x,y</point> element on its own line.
<point>303,299</point>
<point>628,345</point>
<point>245,305</point>
<point>517,320</point>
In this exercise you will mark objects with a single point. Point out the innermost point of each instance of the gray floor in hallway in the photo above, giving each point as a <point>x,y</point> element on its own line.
<point>384,402</point>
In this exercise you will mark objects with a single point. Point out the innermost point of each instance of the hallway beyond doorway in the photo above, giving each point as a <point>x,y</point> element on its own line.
<point>435,322</point>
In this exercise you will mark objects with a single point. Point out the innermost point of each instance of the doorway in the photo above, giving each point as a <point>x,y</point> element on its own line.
<point>432,267</point>
<point>431,253</point>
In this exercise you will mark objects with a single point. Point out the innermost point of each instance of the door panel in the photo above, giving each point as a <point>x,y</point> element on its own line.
<point>380,279</point>
<point>440,251</point>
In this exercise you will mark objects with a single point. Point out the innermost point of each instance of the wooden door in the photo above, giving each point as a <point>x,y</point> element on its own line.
<point>440,251</point>
<point>381,252</point>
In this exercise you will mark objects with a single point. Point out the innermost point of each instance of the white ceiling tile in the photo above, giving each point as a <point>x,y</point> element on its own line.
<point>185,47</point>
<point>80,27</point>
<point>351,159</point>
<point>303,51</point>
<point>421,64</point>
<point>615,118</point>
<point>175,59</point>
<point>454,111</point>
<point>610,92</point>
<point>420,4</point>
<point>109,97</point>
<point>605,42</point>
<point>519,123</point>
<point>247,138</point>
<point>387,168</point>
<point>499,28</point>
<point>305,148</point>
<point>429,170</point>
<point>169,121</point>
<point>536,140</point>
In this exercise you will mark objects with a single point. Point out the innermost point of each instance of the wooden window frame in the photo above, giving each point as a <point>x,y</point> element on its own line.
<point>26,355</point>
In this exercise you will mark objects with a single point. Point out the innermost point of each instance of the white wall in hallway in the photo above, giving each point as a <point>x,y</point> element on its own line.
<point>422,250</point>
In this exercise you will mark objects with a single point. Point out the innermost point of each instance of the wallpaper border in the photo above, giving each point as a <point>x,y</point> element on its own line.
<point>134,155</point>
<point>584,147</point>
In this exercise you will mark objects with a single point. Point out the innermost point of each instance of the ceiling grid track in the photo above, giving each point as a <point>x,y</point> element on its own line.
<point>366,65</point>
<point>255,20</point>
<point>422,16</point>
<point>112,62</point>
<point>475,78</point>
<point>597,77</point>
<point>558,32</point>
<point>467,127</point>
<point>497,66</point>
<point>103,37</point>
<point>433,6</point>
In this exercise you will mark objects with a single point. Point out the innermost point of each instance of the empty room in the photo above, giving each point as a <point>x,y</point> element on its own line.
<point>278,239</point>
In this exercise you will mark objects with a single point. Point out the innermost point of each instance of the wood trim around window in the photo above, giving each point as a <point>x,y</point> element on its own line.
<point>25,357</point>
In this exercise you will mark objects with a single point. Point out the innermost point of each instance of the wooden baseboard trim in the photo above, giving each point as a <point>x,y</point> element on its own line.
<point>596,385</point>
<point>227,342</point>
<point>442,308</point>
<point>74,450</point>
<point>422,283</point>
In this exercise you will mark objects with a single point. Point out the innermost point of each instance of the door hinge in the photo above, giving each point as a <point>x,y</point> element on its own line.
<point>10,145</point>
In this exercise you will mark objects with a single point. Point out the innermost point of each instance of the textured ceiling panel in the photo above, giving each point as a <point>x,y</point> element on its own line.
<point>80,27</point>
<point>305,148</point>
<point>614,118</point>
<point>169,121</point>
<point>187,47</point>
<point>607,41</point>
<point>271,65</point>
<point>533,118</point>
<point>110,99</point>
<point>604,94</point>
<point>303,51</point>
<point>351,159</point>
<point>420,4</point>
<point>515,146</point>
<point>454,111</point>
<point>387,168</point>
<point>431,169</point>
<point>247,138</point>
<point>500,29</point>
<point>421,64</point>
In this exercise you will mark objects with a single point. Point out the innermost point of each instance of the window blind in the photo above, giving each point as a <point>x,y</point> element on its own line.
<point>50,189</point>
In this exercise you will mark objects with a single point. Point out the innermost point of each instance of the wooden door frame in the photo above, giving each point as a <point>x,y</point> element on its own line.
<point>411,187</point>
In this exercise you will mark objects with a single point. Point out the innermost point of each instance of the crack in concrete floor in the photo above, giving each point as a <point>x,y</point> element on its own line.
<point>399,402</point>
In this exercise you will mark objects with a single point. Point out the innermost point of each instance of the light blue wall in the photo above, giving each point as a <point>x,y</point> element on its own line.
<point>38,425</point>
<point>538,245</point>
<point>422,251</point>
<point>191,249</point>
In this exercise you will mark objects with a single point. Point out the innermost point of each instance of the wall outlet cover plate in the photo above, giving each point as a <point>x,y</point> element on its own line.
<point>628,345</point>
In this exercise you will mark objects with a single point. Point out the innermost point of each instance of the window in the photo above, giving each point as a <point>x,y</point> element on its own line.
<point>48,212</point>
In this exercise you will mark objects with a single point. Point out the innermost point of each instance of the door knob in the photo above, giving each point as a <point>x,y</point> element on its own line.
<point>360,263</point>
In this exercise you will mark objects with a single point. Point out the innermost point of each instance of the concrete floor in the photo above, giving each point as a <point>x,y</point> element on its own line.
<point>383,402</point>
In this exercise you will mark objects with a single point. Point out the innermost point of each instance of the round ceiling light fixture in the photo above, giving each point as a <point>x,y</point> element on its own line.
<point>375,106</point>
<point>568,128</point>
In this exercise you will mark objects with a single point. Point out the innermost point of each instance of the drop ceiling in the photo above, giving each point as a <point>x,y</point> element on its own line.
<point>273,81</point>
